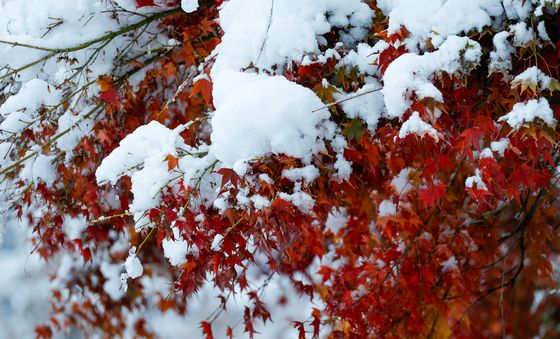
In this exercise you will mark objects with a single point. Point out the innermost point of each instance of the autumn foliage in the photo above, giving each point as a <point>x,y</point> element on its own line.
<point>439,240</point>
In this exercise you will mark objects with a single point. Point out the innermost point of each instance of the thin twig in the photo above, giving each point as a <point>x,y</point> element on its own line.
<point>347,99</point>
<point>267,30</point>
<point>108,36</point>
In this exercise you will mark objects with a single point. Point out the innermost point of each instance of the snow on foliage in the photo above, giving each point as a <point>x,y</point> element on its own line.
<point>242,129</point>
<point>415,125</point>
<point>189,5</point>
<point>264,167</point>
<point>278,32</point>
<point>438,19</point>
<point>526,112</point>
<point>413,73</point>
<point>532,77</point>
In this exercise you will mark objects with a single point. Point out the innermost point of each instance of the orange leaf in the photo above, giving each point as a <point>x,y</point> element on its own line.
<point>204,87</point>
<point>172,162</point>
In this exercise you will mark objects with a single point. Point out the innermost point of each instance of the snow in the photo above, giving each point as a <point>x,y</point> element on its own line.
<point>294,125</point>
<point>500,57</point>
<point>141,155</point>
<point>303,201</point>
<point>189,6</point>
<point>500,146</point>
<point>450,264</point>
<point>518,9</point>
<point>342,166</point>
<point>543,33</point>
<point>413,73</point>
<point>267,33</point>
<point>112,284</point>
<point>366,104</point>
<point>522,34</point>
<point>415,125</point>
<point>145,142</point>
<point>532,76</point>
<point>21,110</point>
<point>364,57</point>
<point>401,181</point>
<point>306,174</point>
<point>336,220</point>
<point>260,202</point>
<point>243,130</point>
<point>387,208</point>
<point>475,180</point>
<point>44,77</point>
<point>526,112</point>
<point>39,168</point>
<point>133,266</point>
<point>27,21</point>
<point>258,112</point>
<point>322,57</point>
<point>486,153</point>
<point>175,251</point>
<point>438,19</point>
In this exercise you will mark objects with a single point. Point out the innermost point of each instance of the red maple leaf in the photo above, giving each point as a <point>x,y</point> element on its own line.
<point>471,137</point>
<point>144,3</point>
<point>108,92</point>
<point>432,195</point>
<point>207,329</point>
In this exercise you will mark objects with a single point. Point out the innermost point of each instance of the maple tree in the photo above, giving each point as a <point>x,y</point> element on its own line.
<point>450,208</point>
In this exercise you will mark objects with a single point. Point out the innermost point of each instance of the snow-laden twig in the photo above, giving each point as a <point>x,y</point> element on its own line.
<point>108,36</point>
